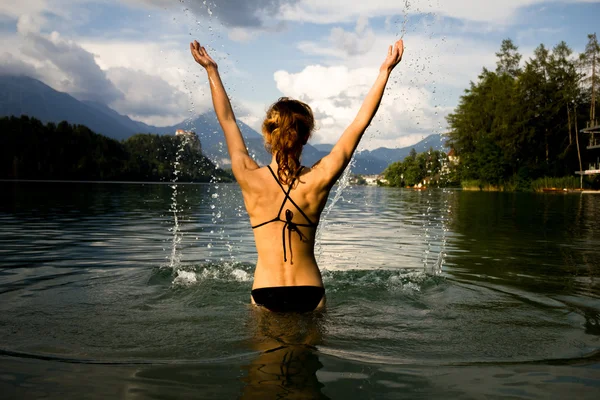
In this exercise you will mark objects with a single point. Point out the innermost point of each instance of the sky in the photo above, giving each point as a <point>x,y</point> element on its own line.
<point>133,55</point>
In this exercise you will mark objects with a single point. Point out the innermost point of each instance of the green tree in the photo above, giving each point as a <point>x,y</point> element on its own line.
<point>589,62</point>
<point>509,59</point>
<point>63,151</point>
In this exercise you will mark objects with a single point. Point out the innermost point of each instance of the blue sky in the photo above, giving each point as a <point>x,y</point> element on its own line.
<point>133,54</point>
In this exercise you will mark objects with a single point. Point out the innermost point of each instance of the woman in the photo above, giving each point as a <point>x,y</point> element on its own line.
<point>284,199</point>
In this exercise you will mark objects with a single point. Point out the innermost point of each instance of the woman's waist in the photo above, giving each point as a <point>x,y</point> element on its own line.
<point>271,273</point>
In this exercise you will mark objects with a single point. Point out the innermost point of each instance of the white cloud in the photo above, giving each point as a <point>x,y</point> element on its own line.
<point>30,23</point>
<point>63,64</point>
<point>241,34</point>
<point>163,66</point>
<point>34,15</point>
<point>421,92</point>
<point>358,42</point>
<point>147,98</point>
<point>11,65</point>
<point>336,94</point>
<point>15,9</point>
<point>251,113</point>
<point>336,11</point>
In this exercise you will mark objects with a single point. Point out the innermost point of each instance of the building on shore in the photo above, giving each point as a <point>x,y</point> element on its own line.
<point>191,136</point>
<point>593,149</point>
<point>374,180</point>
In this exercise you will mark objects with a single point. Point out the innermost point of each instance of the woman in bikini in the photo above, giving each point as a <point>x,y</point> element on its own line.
<point>284,199</point>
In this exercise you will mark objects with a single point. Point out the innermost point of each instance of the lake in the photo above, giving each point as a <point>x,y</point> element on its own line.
<point>138,291</point>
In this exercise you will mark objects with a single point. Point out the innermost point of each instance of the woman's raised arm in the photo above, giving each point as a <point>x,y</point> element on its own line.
<point>240,159</point>
<point>339,157</point>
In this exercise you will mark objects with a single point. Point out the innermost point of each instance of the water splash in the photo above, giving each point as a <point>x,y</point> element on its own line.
<point>192,275</point>
<point>405,18</point>
<point>342,184</point>
<point>175,259</point>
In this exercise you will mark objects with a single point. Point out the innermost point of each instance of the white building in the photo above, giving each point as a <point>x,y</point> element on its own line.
<point>372,179</point>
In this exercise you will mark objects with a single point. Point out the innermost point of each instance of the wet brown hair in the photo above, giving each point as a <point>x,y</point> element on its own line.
<point>287,128</point>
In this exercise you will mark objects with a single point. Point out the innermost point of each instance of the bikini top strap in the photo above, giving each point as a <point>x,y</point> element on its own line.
<point>277,179</point>
<point>287,195</point>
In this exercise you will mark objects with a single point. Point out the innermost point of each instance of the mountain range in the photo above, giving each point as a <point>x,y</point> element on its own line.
<point>22,95</point>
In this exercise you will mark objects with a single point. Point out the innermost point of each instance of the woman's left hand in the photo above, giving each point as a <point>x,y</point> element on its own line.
<point>201,56</point>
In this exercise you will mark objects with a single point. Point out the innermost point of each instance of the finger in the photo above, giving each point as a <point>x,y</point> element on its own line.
<point>390,51</point>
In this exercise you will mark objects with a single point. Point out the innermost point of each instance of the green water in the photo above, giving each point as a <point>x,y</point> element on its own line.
<point>436,294</point>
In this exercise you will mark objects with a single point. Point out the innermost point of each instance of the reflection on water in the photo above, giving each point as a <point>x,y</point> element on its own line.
<point>287,364</point>
<point>86,291</point>
<point>536,242</point>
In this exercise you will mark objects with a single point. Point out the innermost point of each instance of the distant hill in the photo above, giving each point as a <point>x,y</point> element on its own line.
<point>326,147</point>
<point>209,131</point>
<point>21,95</point>
<point>392,155</point>
<point>372,162</point>
<point>138,127</point>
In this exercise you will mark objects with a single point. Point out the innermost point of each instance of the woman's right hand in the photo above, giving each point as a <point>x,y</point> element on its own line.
<point>201,56</point>
<point>394,56</point>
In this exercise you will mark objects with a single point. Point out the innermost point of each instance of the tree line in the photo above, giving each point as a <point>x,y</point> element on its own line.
<point>32,150</point>
<point>430,168</point>
<point>521,122</point>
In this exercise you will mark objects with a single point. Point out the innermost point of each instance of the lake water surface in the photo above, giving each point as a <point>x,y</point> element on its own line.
<point>433,294</point>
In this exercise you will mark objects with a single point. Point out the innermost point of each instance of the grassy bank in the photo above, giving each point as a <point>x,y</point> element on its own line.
<point>566,182</point>
<point>537,185</point>
<point>478,185</point>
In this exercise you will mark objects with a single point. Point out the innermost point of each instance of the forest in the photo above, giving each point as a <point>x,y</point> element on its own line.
<point>32,150</point>
<point>431,168</point>
<point>521,122</point>
<point>517,128</point>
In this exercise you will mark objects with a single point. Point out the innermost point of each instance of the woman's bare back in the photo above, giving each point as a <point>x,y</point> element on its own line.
<point>285,251</point>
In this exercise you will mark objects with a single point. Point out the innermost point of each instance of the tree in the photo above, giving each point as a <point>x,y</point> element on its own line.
<point>415,168</point>
<point>589,62</point>
<point>33,151</point>
<point>508,59</point>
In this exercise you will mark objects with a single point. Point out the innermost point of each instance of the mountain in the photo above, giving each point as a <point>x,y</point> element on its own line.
<point>392,155</point>
<point>326,147</point>
<point>23,95</point>
<point>373,162</point>
<point>209,131</point>
<point>136,126</point>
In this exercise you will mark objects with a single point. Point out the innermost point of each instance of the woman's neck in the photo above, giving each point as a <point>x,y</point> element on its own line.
<point>274,164</point>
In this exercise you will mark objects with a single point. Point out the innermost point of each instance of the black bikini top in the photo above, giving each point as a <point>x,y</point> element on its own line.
<point>289,215</point>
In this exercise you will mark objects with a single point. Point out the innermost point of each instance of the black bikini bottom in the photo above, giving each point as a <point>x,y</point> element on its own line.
<point>289,298</point>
